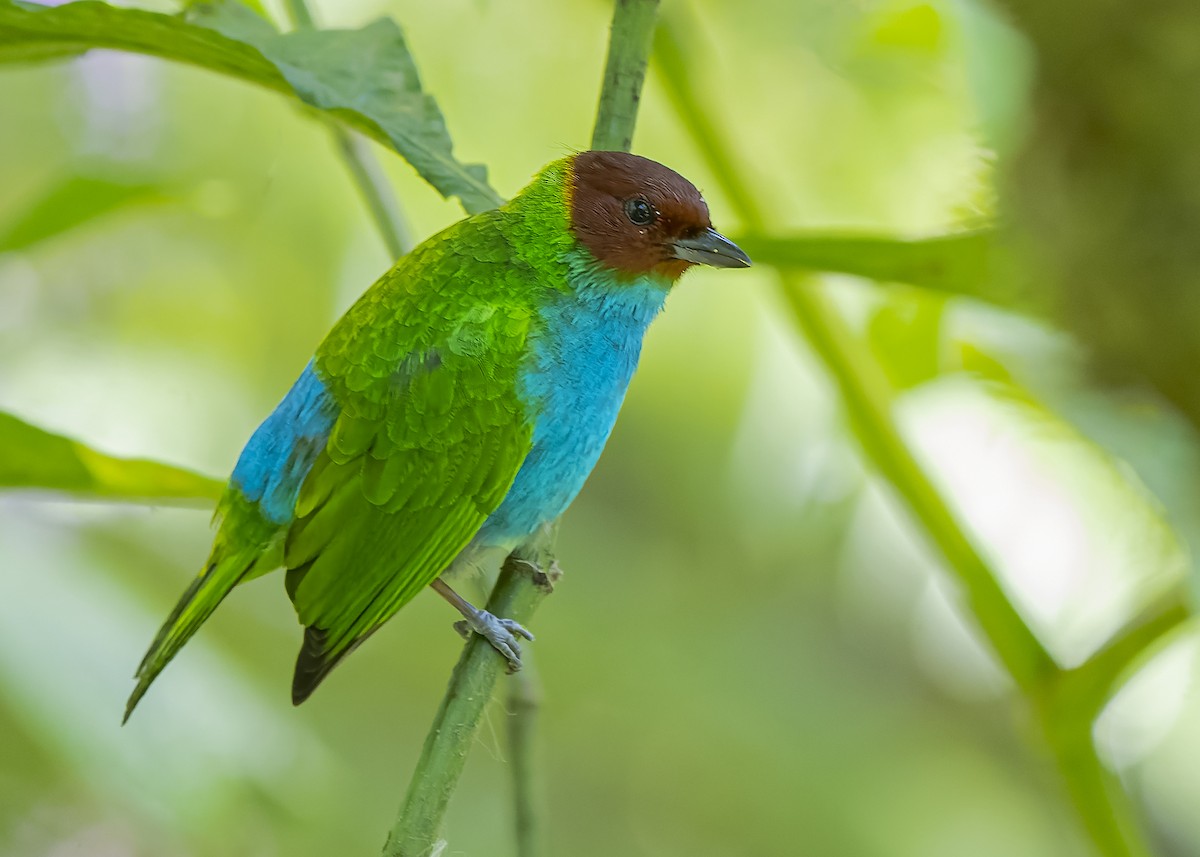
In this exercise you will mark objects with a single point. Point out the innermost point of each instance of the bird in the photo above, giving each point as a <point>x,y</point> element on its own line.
<point>456,408</point>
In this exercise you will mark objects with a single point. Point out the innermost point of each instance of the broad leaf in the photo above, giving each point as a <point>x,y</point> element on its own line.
<point>67,204</point>
<point>366,78</point>
<point>32,458</point>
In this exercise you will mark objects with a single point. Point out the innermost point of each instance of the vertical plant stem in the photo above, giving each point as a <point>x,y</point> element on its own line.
<point>376,191</point>
<point>302,18</point>
<point>518,591</point>
<point>524,702</point>
<point>522,583</point>
<point>624,72</point>
<point>364,167</point>
<point>1066,703</point>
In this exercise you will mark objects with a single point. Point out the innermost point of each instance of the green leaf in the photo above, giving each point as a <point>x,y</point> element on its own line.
<point>958,264</point>
<point>72,202</point>
<point>905,335</point>
<point>366,78</point>
<point>33,458</point>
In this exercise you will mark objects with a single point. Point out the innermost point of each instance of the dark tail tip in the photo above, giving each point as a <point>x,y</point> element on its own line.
<point>316,660</point>
<point>312,664</point>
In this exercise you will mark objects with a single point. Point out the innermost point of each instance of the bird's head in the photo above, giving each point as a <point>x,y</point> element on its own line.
<point>638,217</point>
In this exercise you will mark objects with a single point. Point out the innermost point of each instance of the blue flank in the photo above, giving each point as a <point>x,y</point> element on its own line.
<point>584,353</point>
<point>282,450</point>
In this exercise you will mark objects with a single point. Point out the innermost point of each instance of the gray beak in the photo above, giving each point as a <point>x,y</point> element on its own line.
<point>710,247</point>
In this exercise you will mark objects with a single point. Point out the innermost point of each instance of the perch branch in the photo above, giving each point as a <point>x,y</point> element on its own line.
<point>417,830</point>
<point>416,833</point>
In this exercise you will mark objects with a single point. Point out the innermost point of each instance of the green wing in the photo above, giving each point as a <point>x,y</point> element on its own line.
<point>430,437</point>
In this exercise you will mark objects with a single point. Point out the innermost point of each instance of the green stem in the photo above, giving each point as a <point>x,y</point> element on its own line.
<point>364,167</point>
<point>418,826</point>
<point>864,390</point>
<point>956,265</point>
<point>376,191</point>
<point>524,702</point>
<point>1102,806</point>
<point>624,72</point>
<point>1096,681</point>
<point>417,830</point>
<point>866,395</point>
<point>673,65</point>
<point>1066,702</point>
<point>1068,707</point>
<point>302,18</point>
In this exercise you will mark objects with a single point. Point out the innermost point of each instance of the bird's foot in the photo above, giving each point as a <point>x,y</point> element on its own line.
<point>501,633</point>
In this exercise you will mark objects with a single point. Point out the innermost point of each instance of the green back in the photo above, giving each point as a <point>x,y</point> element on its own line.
<point>432,430</point>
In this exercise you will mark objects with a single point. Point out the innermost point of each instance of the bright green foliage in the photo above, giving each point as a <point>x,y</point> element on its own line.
<point>958,264</point>
<point>70,203</point>
<point>366,78</point>
<point>34,458</point>
<point>1066,701</point>
<point>723,102</point>
<point>905,336</point>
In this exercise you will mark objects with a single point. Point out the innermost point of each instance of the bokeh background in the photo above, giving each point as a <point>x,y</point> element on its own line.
<point>752,651</point>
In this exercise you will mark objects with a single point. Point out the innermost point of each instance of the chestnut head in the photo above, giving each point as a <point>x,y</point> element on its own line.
<point>638,217</point>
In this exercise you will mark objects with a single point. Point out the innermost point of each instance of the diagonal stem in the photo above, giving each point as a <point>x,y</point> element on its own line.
<point>364,167</point>
<point>417,830</point>
<point>1066,703</point>
<point>865,393</point>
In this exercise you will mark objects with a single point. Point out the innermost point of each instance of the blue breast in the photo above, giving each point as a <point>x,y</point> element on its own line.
<point>583,356</point>
<point>282,450</point>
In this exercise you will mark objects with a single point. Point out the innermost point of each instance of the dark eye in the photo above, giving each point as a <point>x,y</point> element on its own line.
<point>640,212</point>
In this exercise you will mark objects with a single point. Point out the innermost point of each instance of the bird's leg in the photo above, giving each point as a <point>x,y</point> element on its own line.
<point>501,633</point>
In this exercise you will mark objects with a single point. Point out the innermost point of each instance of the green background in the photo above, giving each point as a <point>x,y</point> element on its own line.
<point>752,651</point>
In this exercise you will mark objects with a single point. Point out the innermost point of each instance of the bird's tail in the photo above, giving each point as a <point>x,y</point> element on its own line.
<point>222,573</point>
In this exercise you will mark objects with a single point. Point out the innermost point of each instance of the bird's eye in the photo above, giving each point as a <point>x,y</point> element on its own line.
<point>639,212</point>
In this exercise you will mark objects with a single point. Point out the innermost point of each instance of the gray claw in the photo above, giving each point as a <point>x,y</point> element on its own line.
<point>501,633</point>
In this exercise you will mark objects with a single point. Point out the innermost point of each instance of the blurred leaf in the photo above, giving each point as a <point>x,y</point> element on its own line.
<point>959,264</point>
<point>24,52</point>
<point>905,336</point>
<point>366,78</point>
<point>70,203</point>
<point>917,28</point>
<point>32,458</point>
<point>976,361</point>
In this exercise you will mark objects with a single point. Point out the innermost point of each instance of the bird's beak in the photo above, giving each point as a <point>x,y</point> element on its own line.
<point>710,247</point>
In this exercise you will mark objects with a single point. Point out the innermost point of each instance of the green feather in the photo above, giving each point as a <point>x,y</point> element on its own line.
<point>429,437</point>
<point>432,433</point>
<point>247,545</point>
